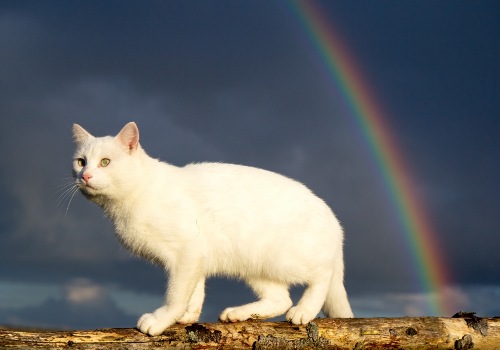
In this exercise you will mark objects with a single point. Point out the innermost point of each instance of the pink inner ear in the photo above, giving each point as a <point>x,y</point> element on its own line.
<point>129,136</point>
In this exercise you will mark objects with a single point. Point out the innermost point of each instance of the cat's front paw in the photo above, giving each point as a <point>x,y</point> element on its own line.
<point>299,315</point>
<point>156,322</point>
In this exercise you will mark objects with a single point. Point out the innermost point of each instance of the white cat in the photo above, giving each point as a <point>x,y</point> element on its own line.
<point>212,219</point>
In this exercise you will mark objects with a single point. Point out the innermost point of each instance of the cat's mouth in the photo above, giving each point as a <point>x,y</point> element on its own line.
<point>87,189</point>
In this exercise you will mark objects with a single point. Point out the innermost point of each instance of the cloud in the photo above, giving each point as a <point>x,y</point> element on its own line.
<point>84,305</point>
<point>15,295</point>
<point>483,300</point>
<point>83,291</point>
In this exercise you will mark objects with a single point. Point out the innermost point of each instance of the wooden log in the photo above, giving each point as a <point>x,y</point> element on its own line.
<point>357,334</point>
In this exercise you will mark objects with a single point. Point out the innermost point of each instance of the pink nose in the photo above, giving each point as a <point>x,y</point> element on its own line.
<point>86,177</point>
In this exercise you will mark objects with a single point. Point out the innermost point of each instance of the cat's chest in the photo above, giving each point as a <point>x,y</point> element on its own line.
<point>153,237</point>
<point>136,234</point>
<point>130,234</point>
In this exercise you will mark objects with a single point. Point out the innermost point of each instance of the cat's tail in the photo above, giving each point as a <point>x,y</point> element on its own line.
<point>336,303</point>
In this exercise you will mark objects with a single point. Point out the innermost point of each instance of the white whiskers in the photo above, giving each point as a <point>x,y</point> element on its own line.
<point>66,192</point>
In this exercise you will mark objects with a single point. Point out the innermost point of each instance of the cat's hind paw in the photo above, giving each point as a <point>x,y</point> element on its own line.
<point>299,315</point>
<point>233,314</point>
<point>189,317</point>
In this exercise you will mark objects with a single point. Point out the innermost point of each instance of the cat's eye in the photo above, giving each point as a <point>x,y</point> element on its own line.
<point>81,162</point>
<point>105,162</point>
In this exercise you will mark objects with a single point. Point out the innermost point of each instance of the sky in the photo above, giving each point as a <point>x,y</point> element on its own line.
<point>241,82</point>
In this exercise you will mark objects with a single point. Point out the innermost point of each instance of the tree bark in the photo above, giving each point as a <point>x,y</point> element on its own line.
<point>420,333</point>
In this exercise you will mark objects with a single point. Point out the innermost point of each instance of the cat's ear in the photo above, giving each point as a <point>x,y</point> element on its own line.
<point>129,136</point>
<point>80,134</point>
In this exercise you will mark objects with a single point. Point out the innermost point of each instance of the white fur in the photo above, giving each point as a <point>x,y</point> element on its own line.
<point>212,219</point>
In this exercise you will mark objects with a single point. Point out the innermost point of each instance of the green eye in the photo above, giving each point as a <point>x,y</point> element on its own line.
<point>81,162</point>
<point>105,162</point>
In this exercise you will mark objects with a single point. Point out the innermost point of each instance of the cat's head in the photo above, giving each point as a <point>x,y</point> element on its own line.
<point>104,167</point>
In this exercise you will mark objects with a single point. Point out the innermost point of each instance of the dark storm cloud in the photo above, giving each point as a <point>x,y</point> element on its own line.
<point>238,82</point>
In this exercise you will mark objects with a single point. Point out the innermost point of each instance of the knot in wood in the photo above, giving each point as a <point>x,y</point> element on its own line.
<point>411,331</point>
<point>198,333</point>
<point>465,343</point>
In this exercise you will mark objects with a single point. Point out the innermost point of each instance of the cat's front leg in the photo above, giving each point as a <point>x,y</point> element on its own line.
<point>182,284</point>
<point>195,305</point>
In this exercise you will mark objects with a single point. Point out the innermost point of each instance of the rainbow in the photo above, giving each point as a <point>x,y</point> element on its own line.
<point>431,269</point>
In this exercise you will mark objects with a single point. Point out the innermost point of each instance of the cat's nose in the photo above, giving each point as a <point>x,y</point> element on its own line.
<point>86,177</point>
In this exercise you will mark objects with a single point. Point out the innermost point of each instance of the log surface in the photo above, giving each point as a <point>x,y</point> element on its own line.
<point>356,334</point>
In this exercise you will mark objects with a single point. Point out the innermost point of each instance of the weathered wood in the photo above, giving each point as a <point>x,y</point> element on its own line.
<point>357,334</point>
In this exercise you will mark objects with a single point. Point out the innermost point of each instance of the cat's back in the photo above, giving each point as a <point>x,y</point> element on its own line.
<point>233,184</point>
<point>233,175</point>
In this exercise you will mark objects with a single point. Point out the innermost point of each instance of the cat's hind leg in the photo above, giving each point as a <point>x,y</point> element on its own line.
<point>310,303</point>
<point>274,300</point>
<point>195,304</point>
